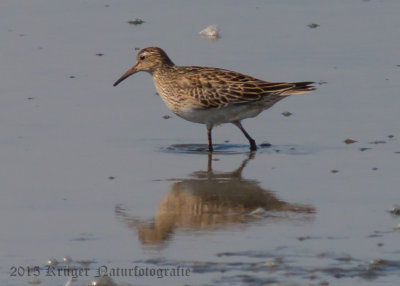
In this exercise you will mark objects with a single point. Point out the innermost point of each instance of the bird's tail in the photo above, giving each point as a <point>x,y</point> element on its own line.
<point>299,87</point>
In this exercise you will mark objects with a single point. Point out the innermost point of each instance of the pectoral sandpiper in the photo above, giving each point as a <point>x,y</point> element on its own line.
<point>211,96</point>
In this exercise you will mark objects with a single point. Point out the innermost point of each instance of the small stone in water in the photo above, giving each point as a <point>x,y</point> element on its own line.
<point>67,259</point>
<point>271,264</point>
<point>85,262</point>
<point>395,210</point>
<point>52,262</point>
<point>378,142</point>
<point>258,211</point>
<point>135,22</point>
<point>104,281</point>
<point>34,282</point>
<point>364,149</point>
<point>211,32</point>
<point>265,144</point>
<point>349,141</point>
<point>313,25</point>
<point>377,262</point>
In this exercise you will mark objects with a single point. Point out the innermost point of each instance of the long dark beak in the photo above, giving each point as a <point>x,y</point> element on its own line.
<point>128,73</point>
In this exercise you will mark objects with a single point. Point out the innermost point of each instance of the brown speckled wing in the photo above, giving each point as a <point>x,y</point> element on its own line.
<point>216,88</point>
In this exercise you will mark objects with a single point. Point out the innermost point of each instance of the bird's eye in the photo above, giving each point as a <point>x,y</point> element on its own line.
<point>142,57</point>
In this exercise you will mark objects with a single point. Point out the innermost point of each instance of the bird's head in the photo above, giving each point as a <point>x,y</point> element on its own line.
<point>148,60</point>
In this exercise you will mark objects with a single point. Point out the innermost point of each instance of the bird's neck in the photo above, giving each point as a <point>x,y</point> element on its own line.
<point>164,70</point>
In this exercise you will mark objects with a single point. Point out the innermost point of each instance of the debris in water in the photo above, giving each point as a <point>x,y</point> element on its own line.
<point>349,141</point>
<point>135,22</point>
<point>313,25</point>
<point>67,259</point>
<point>34,281</point>
<point>395,210</point>
<point>265,144</point>
<point>378,262</point>
<point>271,264</point>
<point>258,211</point>
<point>166,117</point>
<point>104,281</point>
<point>334,171</point>
<point>211,32</point>
<point>85,263</point>
<point>346,258</point>
<point>364,149</point>
<point>377,142</point>
<point>52,262</point>
<point>286,113</point>
<point>100,54</point>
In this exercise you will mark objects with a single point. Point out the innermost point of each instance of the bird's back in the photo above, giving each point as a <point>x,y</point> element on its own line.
<point>209,88</point>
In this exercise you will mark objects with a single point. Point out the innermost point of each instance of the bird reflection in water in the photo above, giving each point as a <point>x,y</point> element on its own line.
<point>210,200</point>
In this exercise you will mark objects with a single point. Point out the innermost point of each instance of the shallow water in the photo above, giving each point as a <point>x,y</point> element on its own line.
<point>95,173</point>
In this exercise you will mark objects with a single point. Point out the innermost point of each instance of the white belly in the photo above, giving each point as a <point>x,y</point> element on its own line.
<point>214,116</point>
<point>217,116</point>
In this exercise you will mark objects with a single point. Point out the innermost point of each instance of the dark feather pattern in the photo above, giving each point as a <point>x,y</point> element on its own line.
<point>217,88</point>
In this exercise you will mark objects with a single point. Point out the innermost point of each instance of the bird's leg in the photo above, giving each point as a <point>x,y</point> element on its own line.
<point>210,147</point>
<point>253,146</point>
